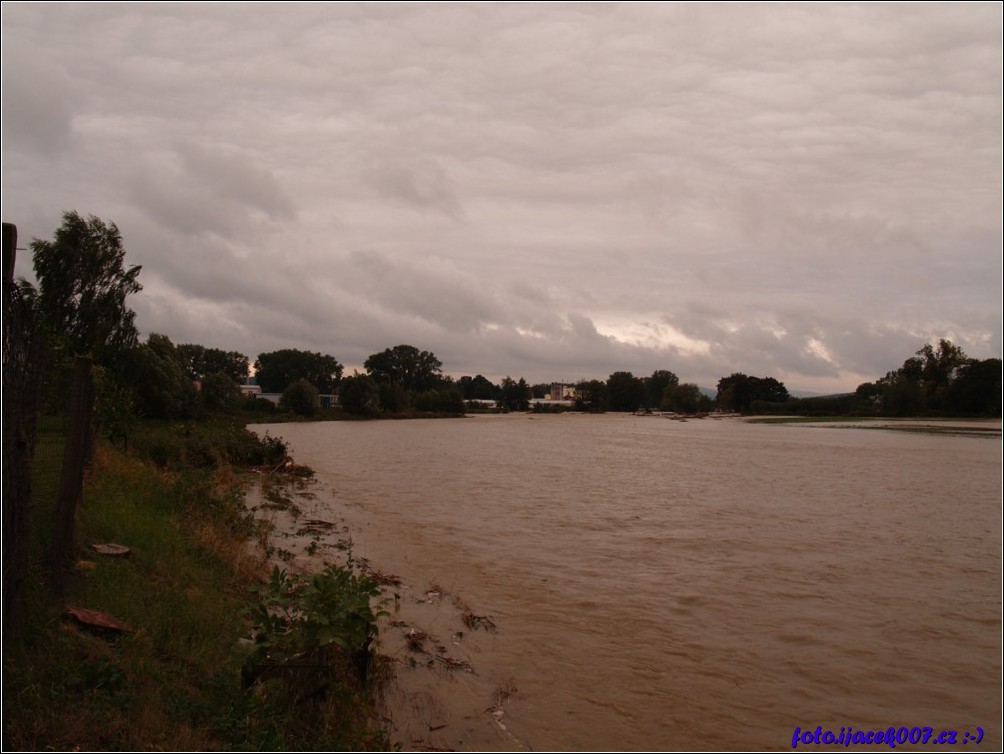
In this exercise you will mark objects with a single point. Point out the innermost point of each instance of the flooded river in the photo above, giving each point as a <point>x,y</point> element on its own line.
<point>666,585</point>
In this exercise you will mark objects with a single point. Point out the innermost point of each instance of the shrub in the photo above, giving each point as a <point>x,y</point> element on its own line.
<point>220,393</point>
<point>301,397</point>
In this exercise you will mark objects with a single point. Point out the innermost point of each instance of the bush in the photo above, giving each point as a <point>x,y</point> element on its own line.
<point>359,395</point>
<point>302,398</point>
<point>220,393</point>
<point>205,445</point>
<point>445,401</point>
<point>300,618</point>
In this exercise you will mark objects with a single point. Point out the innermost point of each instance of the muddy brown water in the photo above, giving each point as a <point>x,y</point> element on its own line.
<point>666,585</point>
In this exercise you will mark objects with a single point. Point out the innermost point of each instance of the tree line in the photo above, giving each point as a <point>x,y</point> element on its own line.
<point>83,284</point>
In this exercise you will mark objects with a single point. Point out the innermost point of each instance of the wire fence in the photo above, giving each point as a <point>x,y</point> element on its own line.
<point>42,469</point>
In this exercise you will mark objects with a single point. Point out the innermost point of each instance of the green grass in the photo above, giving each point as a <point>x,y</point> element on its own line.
<point>174,681</point>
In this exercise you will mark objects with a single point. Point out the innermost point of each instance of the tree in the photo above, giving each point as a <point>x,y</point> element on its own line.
<point>405,366</point>
<point>202,361</point>
<point>221,393</point>
<point>940,368</point>
<point>478,388</point>
<point>83,285</point>
<point>977,388</point>
<point>738,391</point>
<point>359,395</point>
<point>279,369</point>
<point>540,390</point>
<point>301,397</point>
<point>656,385</point>
<point>513,395</point>
<point>684,399</point>
<point>626,392</point>
<point>925,382</point>
<point>393,398</point>
<point>592,396</point>
<point>158,378</point>
<point>446,399</point>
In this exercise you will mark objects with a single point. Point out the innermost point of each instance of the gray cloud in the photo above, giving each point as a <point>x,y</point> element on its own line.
<point>38,99</point>
<point>555,191</point>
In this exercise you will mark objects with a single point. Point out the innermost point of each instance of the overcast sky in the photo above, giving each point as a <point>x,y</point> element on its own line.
<point>808,192</point>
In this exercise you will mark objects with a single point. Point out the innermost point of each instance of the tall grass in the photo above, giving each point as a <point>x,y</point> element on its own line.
<point>174,680</point>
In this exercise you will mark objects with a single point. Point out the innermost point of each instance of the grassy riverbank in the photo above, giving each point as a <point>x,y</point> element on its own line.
<point>173,680</point>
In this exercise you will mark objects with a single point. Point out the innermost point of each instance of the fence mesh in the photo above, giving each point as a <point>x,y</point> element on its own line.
<point>37,392</point>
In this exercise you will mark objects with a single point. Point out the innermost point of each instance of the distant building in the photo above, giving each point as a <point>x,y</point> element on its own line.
<point>250,387</point>
<point>563,392</point>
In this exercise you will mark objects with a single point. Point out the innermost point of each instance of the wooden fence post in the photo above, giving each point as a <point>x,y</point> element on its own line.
<point>71,481</point>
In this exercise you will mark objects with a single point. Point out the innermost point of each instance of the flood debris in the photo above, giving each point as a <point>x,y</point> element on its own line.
<point>96,620</point>
<point>503,693</point>
<point>111,549</point>
<point>415,640</point>
<point>274,499</point>
<point>454,664</point>
<point>288,466</point>
<point>315,527</point>
<point>383,579</point>
<point>474,622</point>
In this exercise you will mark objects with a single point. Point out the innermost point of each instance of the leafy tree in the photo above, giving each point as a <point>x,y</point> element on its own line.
<point>221,393</point>
<point>157,376</point>
<point>478,388</point>
<point>684,399</point>
<point>941,365</point>
<point>279,369</point>
<point>926,382</point>
<point>977,388</point>
<point>940,368</point>
<point>592,396</point>
<point>626,392</point>
<point>405,366</point>
<point>903,395</point>
<point>359,395</point>
<point>393,398</point>
<point>443,400</point>
<point>869,393</point>
<point>514,395</point>
<point>738,391</point>
<point>83,285</point>
<point>115,407</point>
<point>202,361</point>
<point>301,397</point>
<point>656,385</point>
<point>540,390</point>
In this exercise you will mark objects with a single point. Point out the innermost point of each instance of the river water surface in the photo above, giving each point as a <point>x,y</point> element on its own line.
<point>666,585</point>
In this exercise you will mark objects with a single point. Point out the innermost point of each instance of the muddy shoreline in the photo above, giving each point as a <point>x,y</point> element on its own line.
<point>442,688</point>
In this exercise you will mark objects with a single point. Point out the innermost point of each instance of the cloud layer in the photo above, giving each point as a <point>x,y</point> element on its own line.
<point>809,192</point>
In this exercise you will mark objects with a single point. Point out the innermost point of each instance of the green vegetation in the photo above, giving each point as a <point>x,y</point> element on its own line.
<point>301,618</point>
<point>83,284</point>
<point>938,381</point>
<point>739,392</point>
<point>177,677</point>
<point>626,392</point>
<point>301,397</point>
<point>279,369</point>
<point>202,362</point>
<point>514,395</point>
